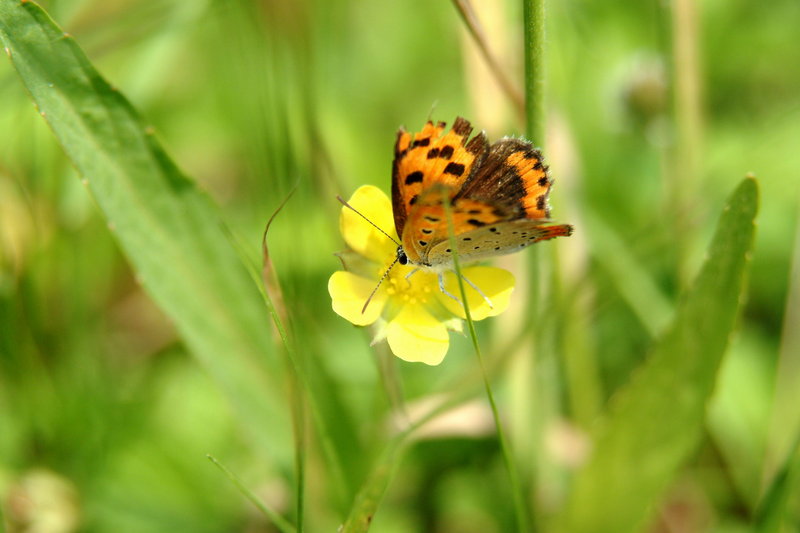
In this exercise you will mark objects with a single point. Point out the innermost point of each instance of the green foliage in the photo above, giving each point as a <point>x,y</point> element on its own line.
<point>649,385</point>
<point>656,421</point>
<point>168,229</point>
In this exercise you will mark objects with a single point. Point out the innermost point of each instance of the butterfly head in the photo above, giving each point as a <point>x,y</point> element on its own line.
<point>402,258</point>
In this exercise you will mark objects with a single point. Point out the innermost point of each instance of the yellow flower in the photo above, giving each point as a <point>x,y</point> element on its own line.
<point>411,313</point>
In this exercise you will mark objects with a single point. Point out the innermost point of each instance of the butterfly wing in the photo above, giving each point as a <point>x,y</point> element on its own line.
<point>498,239</point>
<point>498,195</point>
<point>430,158</point>
<point>513,184</point>
<point>513,175</point>
<point>427,222</point>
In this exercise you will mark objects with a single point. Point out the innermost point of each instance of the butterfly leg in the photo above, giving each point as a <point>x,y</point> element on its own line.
<point>410,274</point>
<point>445,291</point>
<point>478,290</point>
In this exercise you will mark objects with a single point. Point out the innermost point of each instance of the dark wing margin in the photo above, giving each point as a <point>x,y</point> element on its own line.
<point>398,206</point>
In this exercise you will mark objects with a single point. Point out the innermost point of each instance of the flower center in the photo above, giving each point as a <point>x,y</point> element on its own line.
<point>409,287</point>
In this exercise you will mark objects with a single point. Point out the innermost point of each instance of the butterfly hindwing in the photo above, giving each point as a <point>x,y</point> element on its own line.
<point>498,239</point>
<point>433,158</point>
<point>427,222</point>
<point>512,174</point>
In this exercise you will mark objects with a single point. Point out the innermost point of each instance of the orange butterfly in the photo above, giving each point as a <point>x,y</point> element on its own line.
<point>498,193</point>
<point>498,197</point>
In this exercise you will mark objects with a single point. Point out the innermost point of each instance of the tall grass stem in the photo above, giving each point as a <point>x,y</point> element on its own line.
<point>686,171</point>
<point>523,523</point>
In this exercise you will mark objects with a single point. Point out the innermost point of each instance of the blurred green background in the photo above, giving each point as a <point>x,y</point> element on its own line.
<point>105,416</point>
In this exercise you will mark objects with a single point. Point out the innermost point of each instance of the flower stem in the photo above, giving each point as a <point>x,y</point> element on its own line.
<point>523,523</point>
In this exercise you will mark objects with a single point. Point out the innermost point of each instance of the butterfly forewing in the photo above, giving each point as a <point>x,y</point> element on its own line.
<point>429,158</point>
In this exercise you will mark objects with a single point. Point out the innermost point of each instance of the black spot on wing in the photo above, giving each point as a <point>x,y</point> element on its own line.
<point>414,177</point>
<point>456,169</point>
<point>422,142</point>
<point>433,153</point>
<point>446,152</point>
<point>475,222</point>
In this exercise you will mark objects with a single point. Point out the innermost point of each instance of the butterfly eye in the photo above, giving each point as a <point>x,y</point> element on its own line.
<point>402,258</point>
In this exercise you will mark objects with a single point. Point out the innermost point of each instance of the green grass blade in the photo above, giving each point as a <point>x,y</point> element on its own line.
<point>373,489</point>
<point>275,517</point>
<point>773,508</point>
<point>656,422</point>
<point>171,233</point>
<point>634,283</point>
<point>524,523</point>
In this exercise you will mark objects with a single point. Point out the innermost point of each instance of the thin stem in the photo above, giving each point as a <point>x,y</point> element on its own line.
<point>533,16</point>
<point>685,175</point>
<point>268,286</point>
<point>535,120</point>
<point>276,518</point>
<point>387,370</point>
<point>470,19</point>
<point>275,305</point>
<point>523,523</point>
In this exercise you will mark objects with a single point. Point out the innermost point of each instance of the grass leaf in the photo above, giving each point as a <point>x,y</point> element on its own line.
<point>655,423</point>
<point>772,510</point>
<point>374,487</point>
<point>272,515</point>
<point>169,230</point>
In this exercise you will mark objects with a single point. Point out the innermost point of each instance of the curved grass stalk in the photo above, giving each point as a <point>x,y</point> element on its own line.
<point>277,519</point>
<point>470,19</point>
<point>523,523</point>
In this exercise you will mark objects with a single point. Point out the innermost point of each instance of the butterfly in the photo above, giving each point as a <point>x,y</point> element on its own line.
<point>497,196</point>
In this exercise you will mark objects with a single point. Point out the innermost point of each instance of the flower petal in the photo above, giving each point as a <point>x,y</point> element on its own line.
<point>415,335</point>
<point>360,235</point>
<point>348,295</point>
<point>495,283</point>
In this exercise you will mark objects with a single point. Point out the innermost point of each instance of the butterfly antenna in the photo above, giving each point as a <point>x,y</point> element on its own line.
<point>363,309</point>
<point>344,203</point>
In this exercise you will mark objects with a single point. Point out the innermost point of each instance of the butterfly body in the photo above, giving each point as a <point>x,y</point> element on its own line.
<point>497,196</point>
